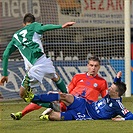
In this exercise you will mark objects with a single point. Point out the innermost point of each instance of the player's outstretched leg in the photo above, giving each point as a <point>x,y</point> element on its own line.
<point>43,98</point>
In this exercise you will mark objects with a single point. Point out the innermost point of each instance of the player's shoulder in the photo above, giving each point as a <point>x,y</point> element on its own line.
<point>18,31</point>
<point>117,102</point>
<point>99,77</point>
<point>21,29</point>
<point>36,23</point>
<point>33,25</point>
<point>80,74</point>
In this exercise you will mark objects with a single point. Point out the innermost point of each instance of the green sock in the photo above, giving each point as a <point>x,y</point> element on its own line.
<point>61,85</point>
<point>46,105</point>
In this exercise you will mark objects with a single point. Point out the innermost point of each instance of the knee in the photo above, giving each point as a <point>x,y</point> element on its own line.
<point>51,117</point>
<point>67,97</point>
<point>56,77</point>
<point>54,116</point>
<point>64,96</point>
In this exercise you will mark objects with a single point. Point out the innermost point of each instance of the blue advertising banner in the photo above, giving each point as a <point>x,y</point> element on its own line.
<point>66,69</point>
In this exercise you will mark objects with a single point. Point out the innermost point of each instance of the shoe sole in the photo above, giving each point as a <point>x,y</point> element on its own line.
<point>13,116</point>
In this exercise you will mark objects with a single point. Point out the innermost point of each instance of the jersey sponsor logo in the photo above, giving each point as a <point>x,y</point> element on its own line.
<point>125,111</point>
<point>84,92</point>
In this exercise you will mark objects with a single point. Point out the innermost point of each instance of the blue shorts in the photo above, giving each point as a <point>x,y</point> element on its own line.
<point>76,111</point>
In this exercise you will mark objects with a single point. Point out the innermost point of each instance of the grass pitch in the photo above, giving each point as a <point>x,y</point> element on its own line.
<point>31,123</point>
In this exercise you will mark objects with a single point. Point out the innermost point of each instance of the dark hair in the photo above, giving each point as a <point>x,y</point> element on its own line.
<point>121,88</point>
<point>28,18</point>
<point>93,58</point>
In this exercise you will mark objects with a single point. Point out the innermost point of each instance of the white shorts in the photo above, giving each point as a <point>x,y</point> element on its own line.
<point>42,68</point>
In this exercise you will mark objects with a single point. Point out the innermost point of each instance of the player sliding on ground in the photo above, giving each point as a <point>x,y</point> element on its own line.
<point>81,109</point>
<point>89,85</point>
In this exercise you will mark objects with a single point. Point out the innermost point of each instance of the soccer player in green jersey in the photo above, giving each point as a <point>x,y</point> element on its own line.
<point>28,41</point>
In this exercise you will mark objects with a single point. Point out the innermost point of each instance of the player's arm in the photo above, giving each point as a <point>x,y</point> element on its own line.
<point>118,77</point>
<point>42,28</point>
<point>126,115</point>
<point>48,27</point>
<point>104,86</point>
<point>53,26</point>
<point>9,49</point>
<point>68,24</point>
<point>123,112</point>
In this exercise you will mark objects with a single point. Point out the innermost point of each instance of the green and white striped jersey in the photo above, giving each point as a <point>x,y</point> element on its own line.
<point>28,41</point>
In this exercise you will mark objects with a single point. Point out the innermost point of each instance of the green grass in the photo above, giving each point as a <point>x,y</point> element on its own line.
<point>31,123</point>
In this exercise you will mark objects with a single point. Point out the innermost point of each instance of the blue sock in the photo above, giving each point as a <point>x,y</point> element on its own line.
<point>46,97</point>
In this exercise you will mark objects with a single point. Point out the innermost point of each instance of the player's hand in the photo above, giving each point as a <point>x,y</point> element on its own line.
<point>119,74</point>
<point>118,119</point>
<point>1,83</point>
<point>68,24</point>
<point>3,80</point>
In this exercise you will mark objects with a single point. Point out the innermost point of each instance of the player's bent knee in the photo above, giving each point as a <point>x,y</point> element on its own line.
<point>68,98</point>
<point>56,79</point>
<point>54,116</point>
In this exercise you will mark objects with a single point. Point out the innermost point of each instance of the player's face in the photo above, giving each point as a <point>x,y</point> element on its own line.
<point>112,90</point>
<point>93,67</point>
